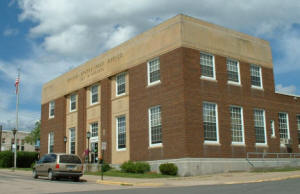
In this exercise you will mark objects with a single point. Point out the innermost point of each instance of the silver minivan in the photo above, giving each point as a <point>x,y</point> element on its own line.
<point>55,166</point>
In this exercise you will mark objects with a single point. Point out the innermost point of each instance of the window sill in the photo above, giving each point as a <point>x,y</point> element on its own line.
<point>95,103</point>
<point>212,143</point>
<point>208,78</point>
<point>155,146</point>
<point>257,88</point>
<point>51,118</point>
<point>121,150</point>
<point>153,84</point>
<point>261,145</point>
<point>120,95</point>
<point>238,144</point>
<point>234,83</point>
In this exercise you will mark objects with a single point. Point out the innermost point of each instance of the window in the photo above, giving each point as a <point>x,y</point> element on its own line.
<point>155,133</point>
<point>50,142</point>
<point>210,118</point>
<point>94,94</point>
<point>256,78</point>
<point>237,126</point>
<point>233,71</point>
<point>260,127</point>
<point>51,109</point>
<point>22,144</point>
<point>73,102</point>
<point>207,65</point>
<point>72,141</point>
<point>120,84</point>
<point>121,132</point>
<point>153,71</point>
<point>3,140</point>
<point>298,127</point>
<point>272,128</point>
<point>94,129</point>
<point>283,126</point>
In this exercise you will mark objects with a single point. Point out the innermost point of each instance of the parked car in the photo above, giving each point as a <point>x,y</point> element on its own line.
<point>55,166</point>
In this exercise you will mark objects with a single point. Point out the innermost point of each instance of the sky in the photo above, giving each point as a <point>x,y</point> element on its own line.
<point>46,38</point>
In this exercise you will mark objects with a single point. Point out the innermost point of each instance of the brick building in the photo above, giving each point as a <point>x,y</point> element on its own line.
<point>185,90</point>
<point>7,140</point>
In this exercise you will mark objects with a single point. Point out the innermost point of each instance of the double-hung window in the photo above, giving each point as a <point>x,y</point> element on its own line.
<point>155,132</point>
<point>50,142</point>
<point>207,65</point>
<point>298,128</point>
<point>94,129</point>
<point>121,132</point>
<point>153,71</point>
<point>256,76</point>
<point>260,126</point>
<point>210,122</point>
<point>283,126</point>
<point>51,109</point>
<point>72,141</point>
<point>233,71</point>
<point>120,84</point>
<point>94,94</point>
<point>237,125</point>
<point>73,102</point>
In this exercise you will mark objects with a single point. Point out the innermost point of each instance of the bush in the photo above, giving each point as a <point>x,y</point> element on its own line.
<point>106,167</point>
<point>24,159</point>
<point>142,167</point>
<point>168,169</point>
<point>128,167</point>
<point>137,167</point>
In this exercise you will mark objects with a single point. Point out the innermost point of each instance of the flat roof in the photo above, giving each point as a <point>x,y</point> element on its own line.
<point>179,31</point>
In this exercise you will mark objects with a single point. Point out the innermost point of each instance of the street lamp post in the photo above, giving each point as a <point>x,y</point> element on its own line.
<point>0,138</point>
<point>15,148</point>
<point>88,136</point>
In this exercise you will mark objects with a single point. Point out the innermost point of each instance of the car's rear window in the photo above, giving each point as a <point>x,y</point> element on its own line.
<point>69,159</point>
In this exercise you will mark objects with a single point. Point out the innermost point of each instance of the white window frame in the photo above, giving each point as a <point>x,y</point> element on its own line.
<point>71,102</point>
<point>242,123</point>
<point>51,106</point>
<point>49,141</point>
<point>272,125</point>
<point>117,134</point>
<point>70,139</point>
<point>149,128</point>
<point>287,123</point>
<point>91,94</point>
<point>298,127</point>
<point>217,124</point>
<point>265,129</point>
<point>261,77</point>
<point>214,67</point>
<point>91,129</point>
<point>148,72</point>
<point>238,69</point>
<point>121,74</point>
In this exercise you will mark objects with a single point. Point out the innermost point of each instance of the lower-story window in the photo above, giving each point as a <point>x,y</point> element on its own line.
<point>155,133</point>
<point>50,142</point>
<point>237,128</point>
<point>283,125</point>
<point>259,125</point>
<point>298,127</point>
<point>210,122</point>
<point>121,132</point>
<point>72,140</point>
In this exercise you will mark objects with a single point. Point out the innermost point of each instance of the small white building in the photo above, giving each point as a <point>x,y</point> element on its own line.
<point>7,140</point>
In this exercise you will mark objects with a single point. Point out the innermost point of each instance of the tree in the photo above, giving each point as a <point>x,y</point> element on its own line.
<point>34,135</point>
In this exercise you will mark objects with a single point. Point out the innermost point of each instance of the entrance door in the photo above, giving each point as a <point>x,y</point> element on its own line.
<point>94,152</point>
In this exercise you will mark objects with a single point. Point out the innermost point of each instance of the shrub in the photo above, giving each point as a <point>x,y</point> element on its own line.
<point>24,159</point>
<point>106,167</point>
<point>128,167</point>
<point>168,169</point>
<point>142,167</point>
<point>6,159</point>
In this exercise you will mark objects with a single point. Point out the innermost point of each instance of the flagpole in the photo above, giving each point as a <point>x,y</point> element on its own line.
<point>17,119</point>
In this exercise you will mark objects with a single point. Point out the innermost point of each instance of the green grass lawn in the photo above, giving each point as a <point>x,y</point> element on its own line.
<point>24,169</point>
<point>117,173</point>
<point>285,169</point>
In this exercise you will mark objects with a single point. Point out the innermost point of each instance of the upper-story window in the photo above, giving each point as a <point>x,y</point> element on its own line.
<point>256,76</point>
<point>233,71</point>
<point>298,128</point>
<point>237,125</point>
<point>284,130</point>
<point>50,142</point>
<point>94,94</point>
<point>260,126</point>
<point>210,122</point>
<point>120,84</point>
<point>51,109</point>
<point>94,129</point>
<point>153,71</point>
<point>73,102</point>
<point>207,65</point>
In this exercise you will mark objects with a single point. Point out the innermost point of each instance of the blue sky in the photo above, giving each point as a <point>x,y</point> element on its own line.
<point>47,38</point>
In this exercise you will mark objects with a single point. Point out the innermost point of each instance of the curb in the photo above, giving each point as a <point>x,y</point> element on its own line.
<point>129,184</point>
<point>263,180</point>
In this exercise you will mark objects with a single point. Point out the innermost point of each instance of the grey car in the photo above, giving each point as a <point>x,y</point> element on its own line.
<point>56,166</point>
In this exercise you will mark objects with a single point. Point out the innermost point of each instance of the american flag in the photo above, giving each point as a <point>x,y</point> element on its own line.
<point>17,83</point>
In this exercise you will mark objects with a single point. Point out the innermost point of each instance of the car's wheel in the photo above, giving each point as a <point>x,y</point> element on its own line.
<point>50,175</point>
<point>34,174</point>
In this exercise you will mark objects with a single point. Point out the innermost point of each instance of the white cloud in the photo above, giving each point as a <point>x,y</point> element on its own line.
<point>10,32</point>
<point>286,89</point>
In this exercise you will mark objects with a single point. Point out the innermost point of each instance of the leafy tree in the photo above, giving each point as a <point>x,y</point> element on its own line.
<point>34,135</point>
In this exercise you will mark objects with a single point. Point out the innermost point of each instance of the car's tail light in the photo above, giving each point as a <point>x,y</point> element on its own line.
<point>57,166</point>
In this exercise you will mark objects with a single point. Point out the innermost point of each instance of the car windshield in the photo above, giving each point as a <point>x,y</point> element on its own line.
<point>69,159</point>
